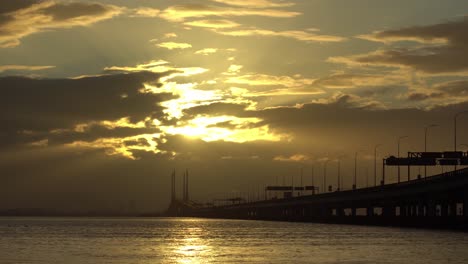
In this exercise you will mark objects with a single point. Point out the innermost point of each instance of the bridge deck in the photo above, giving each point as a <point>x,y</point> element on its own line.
<point>441,200</point>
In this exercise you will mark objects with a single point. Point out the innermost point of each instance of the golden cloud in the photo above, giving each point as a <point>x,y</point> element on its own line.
<point>120,146</point>
<point>146,12</point>
<point>293,158</point>
<point>182,12</point>
<point>213,23</point>
<point>23,68</point>
<point>174,45</point>
<point>206,51</point>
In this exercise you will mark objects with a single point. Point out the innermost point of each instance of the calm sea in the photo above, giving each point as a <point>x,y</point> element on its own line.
<point>172,240</point>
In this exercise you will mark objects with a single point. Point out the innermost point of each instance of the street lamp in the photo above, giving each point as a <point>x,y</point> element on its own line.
<point>375,163</point>
<point>455,131</point>
<point>325,175</point>
<point>339,172</point>
<point>425,144</point>
<point>355,169</point>
<point>312,179</point>
<point>399,140</point>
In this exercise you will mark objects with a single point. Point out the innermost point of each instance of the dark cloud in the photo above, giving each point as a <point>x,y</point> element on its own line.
<point>424,96</point>
<point>445,47</point>
<point>215,109</point>
<point>11,6</point>
<point>453,32</point>
<point>99,132</point>
<point>350,80</point>
<point>22,18</point>
<point>454,88</point>
<point>62,12</point>
<point>32,107</point>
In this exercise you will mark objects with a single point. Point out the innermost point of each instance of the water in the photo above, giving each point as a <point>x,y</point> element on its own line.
<point>172,240</point>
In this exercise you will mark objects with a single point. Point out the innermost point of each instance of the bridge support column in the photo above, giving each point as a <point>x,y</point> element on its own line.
<point>389,211</point>
<point>370,211</point>
<point>403,210</point>
<point>465,205</point>
<point>431,209</point>
<point>353,211</point>
<point>340,212</point>
<point>420,211</point>
<point>444,209</point>
<point>452,209</point>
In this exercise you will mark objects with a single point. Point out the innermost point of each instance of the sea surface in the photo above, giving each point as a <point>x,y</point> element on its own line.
<point>190,240</point>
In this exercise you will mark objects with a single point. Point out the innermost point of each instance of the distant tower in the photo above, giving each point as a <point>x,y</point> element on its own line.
<point>173,186</point>
<point>185,191</point>
<point>186,186</point>
<point>183,187</point>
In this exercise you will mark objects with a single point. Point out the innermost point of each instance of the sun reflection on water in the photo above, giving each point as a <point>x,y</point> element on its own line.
<point>192,247</point>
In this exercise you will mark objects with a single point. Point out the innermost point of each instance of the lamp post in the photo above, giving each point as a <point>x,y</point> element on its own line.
<point>355,169</point>
<point>302,186</point>
<point>312,179</point>
<point>339,176</point>
<point>425,144</point>
<point>339,172</point>
<point>375,163</point>
<point>399,140</point>
<point>455,130</point>
<point>325,175</point>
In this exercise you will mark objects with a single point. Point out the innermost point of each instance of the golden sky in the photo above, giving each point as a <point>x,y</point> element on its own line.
<point>109,95</point>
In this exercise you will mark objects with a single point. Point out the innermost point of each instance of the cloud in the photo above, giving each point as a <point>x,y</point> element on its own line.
<point>34,109</point>
<point>418,96</point>
<point>217,109</point>
<point>158,66</point>
<point>293,158</point>
<point>182,12</point>
<point>174,45</point>
<point>28,17</point>
<point>224,128</point>
<point>254,3</point>
<point>442,51</point>
<point>233,69</point>
<point>283,92</point>
<point>256,79</point>
<point>294,34</point>
<point>4,68</point>
<point>213,23</point>
<point>351,80</point>
<point>456,91</point>
<point>454,88</point>
<point>146,12</point>
<point>170,35</point>
<point>206,51</point>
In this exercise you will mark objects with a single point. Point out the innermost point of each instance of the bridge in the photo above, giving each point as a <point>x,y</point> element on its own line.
<point>439,201</point>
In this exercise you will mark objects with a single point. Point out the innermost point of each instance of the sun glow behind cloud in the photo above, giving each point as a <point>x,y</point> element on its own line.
<point>206,127</point>
<point>210,128</point>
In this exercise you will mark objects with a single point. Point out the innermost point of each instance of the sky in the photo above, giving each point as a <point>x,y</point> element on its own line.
<point>102,100</point>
